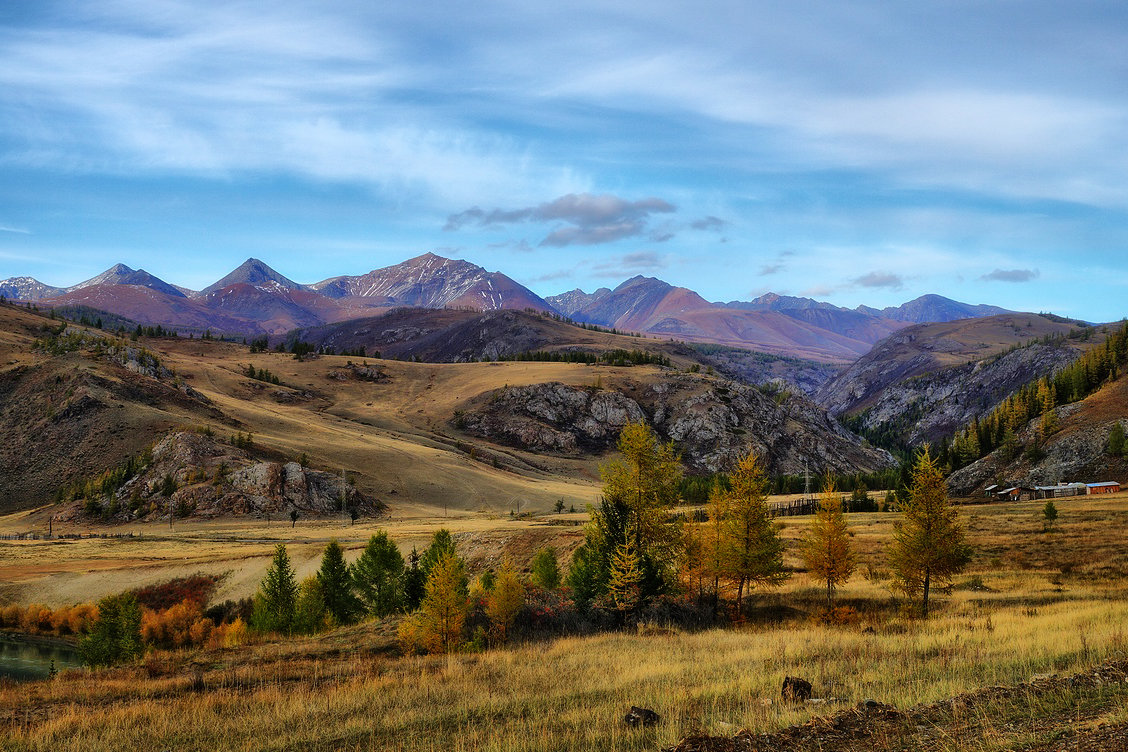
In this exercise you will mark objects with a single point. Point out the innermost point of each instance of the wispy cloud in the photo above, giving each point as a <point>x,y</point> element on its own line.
<point>778,265</point>
<point>710,222</point>
<point>590,219</point>
<point>630,264</point>
<point>880,279</point>
<point>17,230</point>
<point>1011,275</point>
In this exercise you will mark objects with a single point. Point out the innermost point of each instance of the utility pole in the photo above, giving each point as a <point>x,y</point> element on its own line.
<point>806,483</point>
<point>344,488</point>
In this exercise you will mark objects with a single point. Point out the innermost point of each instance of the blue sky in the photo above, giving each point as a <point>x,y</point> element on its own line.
<point>856,152</point>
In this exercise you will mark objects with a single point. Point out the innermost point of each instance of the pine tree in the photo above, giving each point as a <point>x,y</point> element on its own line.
<point>928,545</point>
<point>1116,439</point>
<point>445,605</point>
<point>546,569</point>
<point>753,550</point>
<point>336,586</point>
<point>826,547</point>
<point>507,598</point>
<point>442,543</point>
<point>378,576</point>
<point>278,593</point>
<point>414,582</point>
<point>586,578</point>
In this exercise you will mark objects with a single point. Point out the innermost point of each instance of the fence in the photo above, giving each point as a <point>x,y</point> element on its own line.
<point>64,536</point>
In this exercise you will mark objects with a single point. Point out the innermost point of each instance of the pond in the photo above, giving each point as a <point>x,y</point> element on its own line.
<point>24,660</point>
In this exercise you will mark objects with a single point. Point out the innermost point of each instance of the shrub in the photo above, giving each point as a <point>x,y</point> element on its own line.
<point>197,588</point>
<point>410,636</point>
<point>172,628</point>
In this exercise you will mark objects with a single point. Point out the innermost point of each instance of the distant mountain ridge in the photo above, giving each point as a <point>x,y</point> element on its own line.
<point>256,273</point>
<point>431,281</point>
<point>254,299</point>
<point>120,274</point>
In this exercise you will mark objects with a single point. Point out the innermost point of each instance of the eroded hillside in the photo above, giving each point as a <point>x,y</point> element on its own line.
<point>924,382</point>
<point>390,426</point>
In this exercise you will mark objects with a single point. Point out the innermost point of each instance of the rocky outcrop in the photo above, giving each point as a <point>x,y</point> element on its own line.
<point>196,475</point>
<point>924,382</point>
<point>554,417</point>
<point>713,423</point>
<point>934,405</point>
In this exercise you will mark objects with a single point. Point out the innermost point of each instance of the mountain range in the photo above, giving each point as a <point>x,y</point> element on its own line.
<point>254,299</point>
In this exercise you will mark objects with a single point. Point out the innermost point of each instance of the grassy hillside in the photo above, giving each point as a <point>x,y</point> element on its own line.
<point>1027,606</point>
<point>74,411</point>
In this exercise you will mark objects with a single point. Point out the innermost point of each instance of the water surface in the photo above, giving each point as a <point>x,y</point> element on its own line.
<point>24,660</point>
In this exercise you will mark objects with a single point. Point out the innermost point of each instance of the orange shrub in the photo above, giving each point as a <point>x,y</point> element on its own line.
<point>172,627</point>
<point>200,630</point>
<point>36,619</point>
<point>82,617</point>
<point>11,616</point>
<point>60,621</point>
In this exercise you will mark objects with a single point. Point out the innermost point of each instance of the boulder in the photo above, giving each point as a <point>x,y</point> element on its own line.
<point>795,689</point>
<point>638,717</point>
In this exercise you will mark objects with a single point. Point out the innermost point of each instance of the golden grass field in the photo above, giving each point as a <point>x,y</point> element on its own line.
<point>1031,602</point>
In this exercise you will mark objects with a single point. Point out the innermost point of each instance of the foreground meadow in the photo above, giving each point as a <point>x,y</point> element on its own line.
<point>1032,603</point>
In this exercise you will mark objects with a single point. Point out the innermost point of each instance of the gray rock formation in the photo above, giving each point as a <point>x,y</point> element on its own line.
<point>894,396</point>
<point>712,422</point>
<point>215,479</point>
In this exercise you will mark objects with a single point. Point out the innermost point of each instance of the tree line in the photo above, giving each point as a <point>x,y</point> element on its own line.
<point>638,557</point>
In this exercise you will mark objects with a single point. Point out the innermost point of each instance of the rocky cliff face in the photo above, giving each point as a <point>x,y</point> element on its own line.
<point>210,478</point>
<point>934,405</point>
<point>713,422</point>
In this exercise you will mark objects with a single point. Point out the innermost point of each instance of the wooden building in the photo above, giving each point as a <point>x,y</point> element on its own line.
<point>1105,487</point>
<point>1060,490</point>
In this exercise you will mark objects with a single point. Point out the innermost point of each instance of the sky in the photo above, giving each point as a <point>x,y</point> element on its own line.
<point>862,152</point>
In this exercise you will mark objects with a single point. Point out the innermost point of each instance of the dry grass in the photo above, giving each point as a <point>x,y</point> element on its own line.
<point>568,694</point>
<point>1014,614</point>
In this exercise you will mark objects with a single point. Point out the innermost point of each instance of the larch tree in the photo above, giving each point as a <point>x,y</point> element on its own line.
<point>546,569</point>
<point>506,600</point>
<point>929,546</point>
<point>753,550</point>
<point>645,482</point>
<point>378,576</point>
<point>711,542</point>
<point>626,576</point>
<point>826,546</point>
<point>445,605</point>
